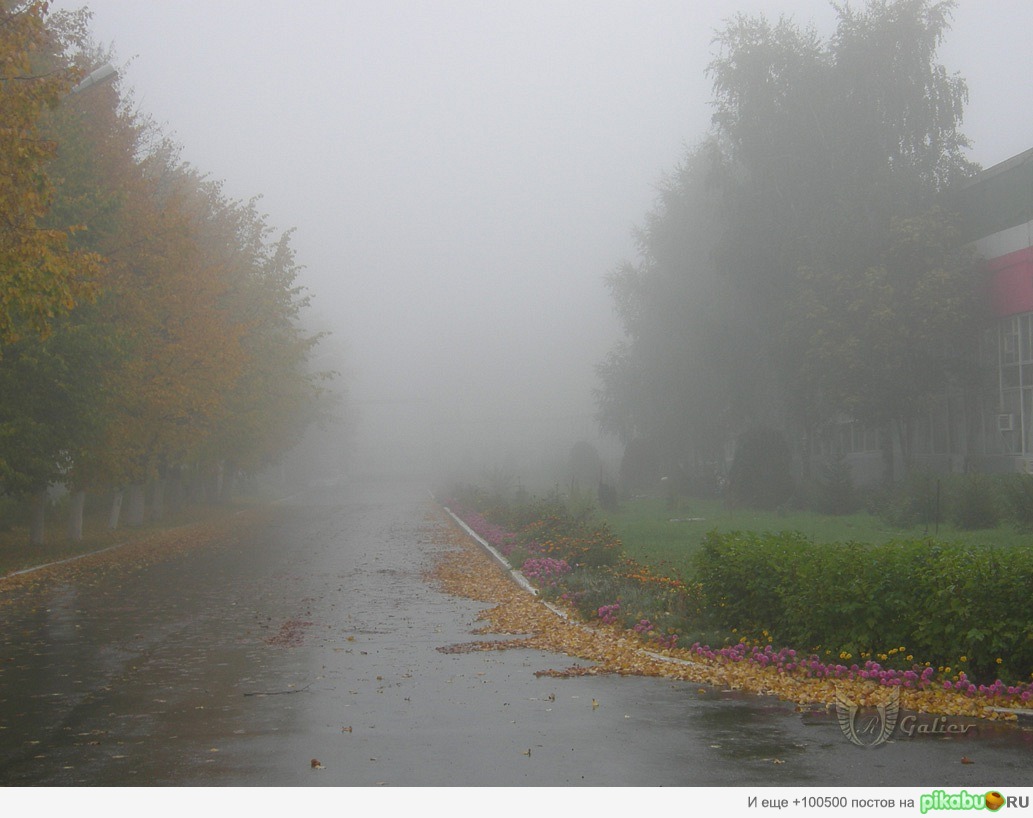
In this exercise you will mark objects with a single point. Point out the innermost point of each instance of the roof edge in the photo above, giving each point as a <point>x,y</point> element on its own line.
<point>999,168</point>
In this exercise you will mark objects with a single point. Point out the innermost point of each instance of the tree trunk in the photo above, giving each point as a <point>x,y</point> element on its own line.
<point>158,501</point>
<point>904,441</point>
<point>116,509</point>
<point>886,441</point>
<point>806,471</point>
<point>136,505</point>
<point>215,487</point>
<point>177,492</point>
<point>199,487</point>
<point>39,508</point>
<point>76,503</point>
<point>228,480</point>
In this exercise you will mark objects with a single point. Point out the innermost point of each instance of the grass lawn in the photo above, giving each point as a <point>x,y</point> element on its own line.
<point>655,534</point>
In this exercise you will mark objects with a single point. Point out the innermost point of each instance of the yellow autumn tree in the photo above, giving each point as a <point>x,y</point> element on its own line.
<point>41,276</point>
<point>162,333</point>
<point>181,344</point>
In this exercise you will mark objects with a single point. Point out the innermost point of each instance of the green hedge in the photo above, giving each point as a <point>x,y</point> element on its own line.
<point>940,602</point>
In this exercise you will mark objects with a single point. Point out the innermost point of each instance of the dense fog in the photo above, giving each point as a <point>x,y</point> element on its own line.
<point>462,176</point>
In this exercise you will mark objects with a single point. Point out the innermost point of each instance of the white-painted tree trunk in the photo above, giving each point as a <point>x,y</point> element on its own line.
<point>76,504</point>
<point>136,505</point>
<point>39,508</point>
<point>175,492</point>
<point>229,479</point>
<point>158,500</point>
<point>198,492</point>
<point>116,510</point>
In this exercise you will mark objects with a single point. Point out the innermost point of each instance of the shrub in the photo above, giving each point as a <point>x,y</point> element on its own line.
<point>909,503</point>
<point>549,528</point>
<point>835,490</point>
<point>13,512</point>
<point>974,503</point>
<point>551,512</point>
<point>607,495</point>
<point>588,590</point>
<point>759,477</point>
<point>596,547</point>
<point>969,609</point>
<point>1017,492</point>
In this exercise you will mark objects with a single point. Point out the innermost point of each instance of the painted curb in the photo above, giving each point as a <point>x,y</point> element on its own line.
<point>1022,716</point>
<point>522,581</point>
<point>514,574</point>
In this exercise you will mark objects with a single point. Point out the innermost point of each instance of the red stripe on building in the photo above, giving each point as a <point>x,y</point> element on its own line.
<point>1011,282</point>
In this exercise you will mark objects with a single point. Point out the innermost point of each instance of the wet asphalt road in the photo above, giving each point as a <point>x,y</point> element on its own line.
<point>316,636</point>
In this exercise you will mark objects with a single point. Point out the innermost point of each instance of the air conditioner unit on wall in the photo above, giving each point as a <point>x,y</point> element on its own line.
<point>1005,423</point>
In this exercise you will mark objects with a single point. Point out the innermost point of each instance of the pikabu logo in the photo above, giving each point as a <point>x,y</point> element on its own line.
<point>992,801</point>
<point>868,726</point>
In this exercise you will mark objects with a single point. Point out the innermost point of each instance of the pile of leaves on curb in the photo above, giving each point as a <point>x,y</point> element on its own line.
<point>466,570</point>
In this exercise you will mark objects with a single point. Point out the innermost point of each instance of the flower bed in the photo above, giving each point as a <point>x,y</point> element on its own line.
<point>581,566</point>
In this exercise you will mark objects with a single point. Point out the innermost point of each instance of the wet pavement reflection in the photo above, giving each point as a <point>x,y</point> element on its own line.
<point>304,652</point>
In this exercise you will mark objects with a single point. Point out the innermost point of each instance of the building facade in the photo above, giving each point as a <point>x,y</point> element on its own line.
<point>997,209</point>
<point>987,425</point>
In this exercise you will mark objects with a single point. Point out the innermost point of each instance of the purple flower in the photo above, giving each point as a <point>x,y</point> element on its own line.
<point>545,569</point>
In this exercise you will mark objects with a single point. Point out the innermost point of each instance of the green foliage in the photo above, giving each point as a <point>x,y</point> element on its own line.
<point>742,577</point>
<point>835,489</point>
<point>165,329</point>
<point>673,378</point>
<point>41,276</point>
<point>549,526</point>
<point>1017,491</point>
<point>974,503</point>
<point>649,535</point>
<point>548,514</point>
<point>574,541</point>
<point>968,502</point>
<point>950,605</point>
<point>878,342</point>
<point>589,590</point>
<point>607,495</point>
<point>796,265</point>
<point>760,473</point>
<point>671,609</point>
<point>917,500</point>
<point>12,513</point>
<point>51,390</point>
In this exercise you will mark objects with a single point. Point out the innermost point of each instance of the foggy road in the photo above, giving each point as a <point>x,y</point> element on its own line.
<point>305,652</point>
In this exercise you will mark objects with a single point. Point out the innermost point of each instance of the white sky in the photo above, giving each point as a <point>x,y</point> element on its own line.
<point>462,175</point>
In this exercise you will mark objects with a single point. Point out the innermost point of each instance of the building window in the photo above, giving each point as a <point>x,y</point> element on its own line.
<point>1010,428</point>
<point>851,437</point>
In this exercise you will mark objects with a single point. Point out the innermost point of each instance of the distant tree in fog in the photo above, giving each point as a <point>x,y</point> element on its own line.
<point>585,466</point>
<point>676,378</point>
<point>768,265</point>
